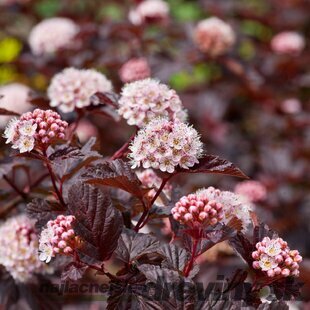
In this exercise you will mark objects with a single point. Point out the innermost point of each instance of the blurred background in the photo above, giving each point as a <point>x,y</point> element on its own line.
<point>250,105</point>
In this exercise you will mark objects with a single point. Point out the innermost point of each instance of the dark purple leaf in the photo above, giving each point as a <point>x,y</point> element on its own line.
<point>104,99</point>
<point>40,102</point>
<point>216,165</point>
<point>243,246</point>
<point>9,293</point>
<point>132,246</point>
<point>98,223</point>
<point>175,257</point>
<point>73,272</point>
<point>43,211</point>
<point>116,174</point>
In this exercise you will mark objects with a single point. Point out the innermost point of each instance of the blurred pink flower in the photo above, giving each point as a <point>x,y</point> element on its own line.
<point>135,69</point>
<point>15,99</point>
<point>19,248</point>
<point>253,190</point>
<point>288,42</point>
<point>52,34</point>
<point>213,36</point>
<point>72,88</point>
<point>142,101</point>
<point>291,106</point>
<point>149,11</point>
<point>86,130</point>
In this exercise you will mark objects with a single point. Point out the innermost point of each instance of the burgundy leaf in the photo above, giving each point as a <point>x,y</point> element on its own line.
<point>98,223</point>
<point>116,174</point>
<point>7,112</point>
<point>73,272</point>
<point>107,98</point>
<point>243,246</point>
<point>132,245</point>
<point>175,257</point>
<point>216,165</point>
<point>43,211</point>
<point>40,102</point>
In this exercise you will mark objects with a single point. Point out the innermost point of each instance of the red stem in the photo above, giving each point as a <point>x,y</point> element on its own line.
<point>189,266</point>
<point>120,152</point>
<point>145,215</point>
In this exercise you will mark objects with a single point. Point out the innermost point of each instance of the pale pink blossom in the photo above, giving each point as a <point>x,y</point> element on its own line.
<point>35,130</point>
<point>14,97</point>
<point>57,237</point>
<point>143,100</point>
<point>72,88</point>
<point>19,248</point>
<point>234,206</point>
<point>255,191</point>
<point>291,106</point>
<point>52,34</point>
<point>149,11</point>
<point>214,36</point>
<point>274,257</point>
<point>288,43</point>
<point>155,145</point>
<point>134,69</point>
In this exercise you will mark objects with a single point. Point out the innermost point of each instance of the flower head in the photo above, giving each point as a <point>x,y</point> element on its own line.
<point>288,43</point>
<point>149,11</point>
<point>196,211</point>
<point>165,145</point>
<point>213,36</point>
<point>13,97</point>
<point>274,257</point>
<point>35,129</point>
<point>143,100</point>
<point>52,34</point>
<point>253,190</point>
<point>233,205</point>
<point>135,69</point>
<point>58,237</point>
<point>72,88</point>
<point>19,248</point>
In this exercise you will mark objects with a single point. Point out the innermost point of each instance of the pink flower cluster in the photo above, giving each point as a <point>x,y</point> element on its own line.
<point>134,69</point>
<point>72,88</point>
<point>274,257</point>
<point>152,11</point>
<point>213,36</point>
<point>150,179</point>
<point>233,205</point>
<point>143,100</point>
<point>57,238</point>
<point>194,210</point>
<point>52,34</point>
<point>253,190</point>
<point>35,129</point>
<point>288,43</point>
<point>164,145</point>
<point>19,248</point>
<point>14,97</point>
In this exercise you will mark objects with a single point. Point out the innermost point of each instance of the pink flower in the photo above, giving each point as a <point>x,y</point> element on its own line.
<point>288,43</point>
<point>19,248</point>
<point>253,190</point>
<point>213,36</point>
<point>233,205</point>
<point>35,129</point>
<point>152,11</point>
<point>195,211</point>
<point>291,106</point>
<point>57,238</point>
<point>143,100</point>
<point>52,34</point>
<point>155,146</point>
<point>274,257</point>
<point>135,69</point>
<point>72,88</point>
<point>14,97</point>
